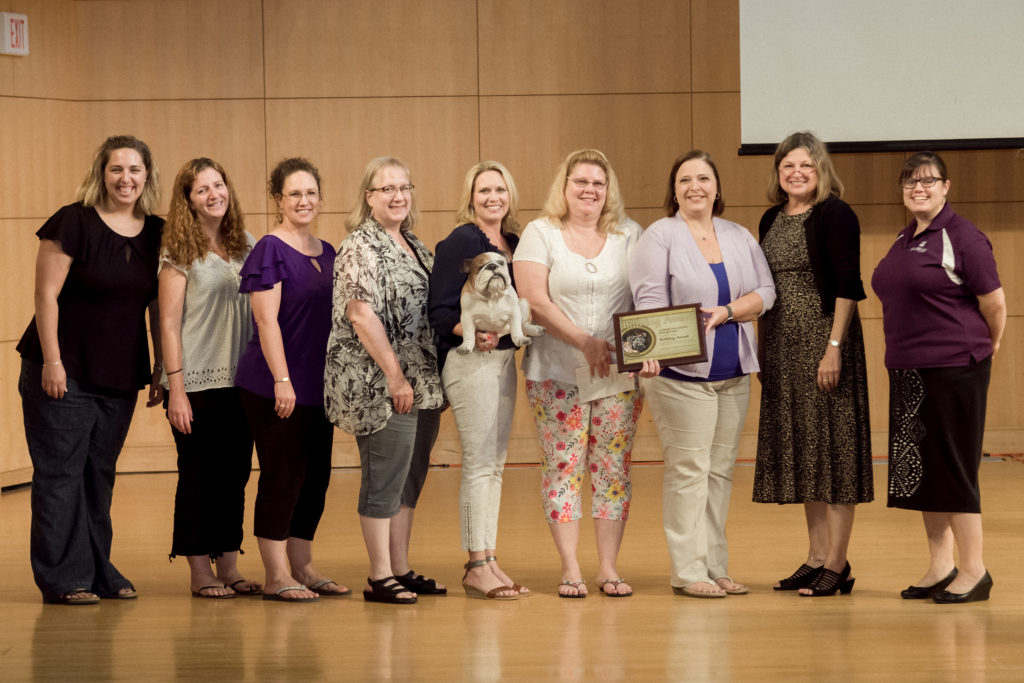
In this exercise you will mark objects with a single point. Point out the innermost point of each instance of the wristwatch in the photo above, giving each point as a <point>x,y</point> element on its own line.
<point>728,309</point>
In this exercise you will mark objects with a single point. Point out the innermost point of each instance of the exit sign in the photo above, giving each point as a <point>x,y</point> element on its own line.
<point>14,28</point>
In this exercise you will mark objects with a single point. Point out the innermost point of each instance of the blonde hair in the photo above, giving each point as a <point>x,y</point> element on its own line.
<point>361,211</point>
<point>93,191</point>
<point>466,212</point>
<point>828,181</point>
<point>183,238</point>
<point>556,209</point>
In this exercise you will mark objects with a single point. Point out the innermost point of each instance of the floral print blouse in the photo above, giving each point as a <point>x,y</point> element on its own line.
<point>371,267</point>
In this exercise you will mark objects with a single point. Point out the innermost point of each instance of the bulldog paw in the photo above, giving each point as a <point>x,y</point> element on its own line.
<point>464,349</point>
<point>521,341</point>
<point>532,330</point>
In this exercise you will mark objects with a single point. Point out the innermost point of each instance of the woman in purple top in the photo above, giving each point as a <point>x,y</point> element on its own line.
<point>943,313</point>
<point>288,278</point>
<point>693,256</point>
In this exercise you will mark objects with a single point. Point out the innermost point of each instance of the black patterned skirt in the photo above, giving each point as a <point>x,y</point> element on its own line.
<point>936,426</point>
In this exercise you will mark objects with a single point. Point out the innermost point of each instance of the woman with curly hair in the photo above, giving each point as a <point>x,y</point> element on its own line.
<point>205,324</point>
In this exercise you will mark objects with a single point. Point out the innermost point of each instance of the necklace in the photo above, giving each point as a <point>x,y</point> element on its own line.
<point>588,264</point>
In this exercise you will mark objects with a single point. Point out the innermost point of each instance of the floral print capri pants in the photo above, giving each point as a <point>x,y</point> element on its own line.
<point>575,437</point>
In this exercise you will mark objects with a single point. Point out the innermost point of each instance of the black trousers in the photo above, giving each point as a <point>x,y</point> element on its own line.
<point>214,463</point>
<point>295,467</point>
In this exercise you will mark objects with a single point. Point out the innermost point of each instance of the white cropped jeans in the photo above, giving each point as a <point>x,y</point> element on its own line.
<point>481,388</point>
<point>699,424</point>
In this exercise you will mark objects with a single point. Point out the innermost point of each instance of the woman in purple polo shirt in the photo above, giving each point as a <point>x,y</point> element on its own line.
<point>943,312</point>
<point>693,256</point>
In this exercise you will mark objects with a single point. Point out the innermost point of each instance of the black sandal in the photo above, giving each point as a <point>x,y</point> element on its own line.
<point>386,590</point>
<point>828,582</point>
<point>420,584</point>
<point>801,578</point>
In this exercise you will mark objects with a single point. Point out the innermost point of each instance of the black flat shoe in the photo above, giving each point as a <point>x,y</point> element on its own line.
<point>925,592</point>
<point>977,594</point>
<point>828,582</point>
<point>801,578</point>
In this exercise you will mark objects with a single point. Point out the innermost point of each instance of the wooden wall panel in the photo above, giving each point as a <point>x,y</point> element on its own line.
<point>15,466</point>
<point>364,48</point>
<point>640,134</point>
<point>536,47</point>
<point>18,264</point>
<point>716,130</point>
<point>44,156</point>
<point>435,136</point>
<point>169,49</point>
<point>52,67</point>
<point>715,45</point>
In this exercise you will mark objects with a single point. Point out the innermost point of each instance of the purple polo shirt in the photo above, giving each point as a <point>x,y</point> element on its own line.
<point>304,317</point>
<point>929,286</point>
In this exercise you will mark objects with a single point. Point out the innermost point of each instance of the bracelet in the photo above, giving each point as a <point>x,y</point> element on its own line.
<point>283,379</point>
<point>174,372</point>
<point>50,365</point>
<point>728,309</point>
<point>833,342</point>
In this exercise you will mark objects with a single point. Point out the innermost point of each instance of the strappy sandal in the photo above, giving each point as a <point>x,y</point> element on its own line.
<point>803,577</point>
<point>387,590</point>
<point>76,596</point>
<point>523,591</point>
<point>420,584</point>
<point>494,593</point>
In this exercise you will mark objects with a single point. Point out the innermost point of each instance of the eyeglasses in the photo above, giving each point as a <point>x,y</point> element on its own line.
<point>582,184</point>
<point>909,183</point>
<point>296,196</point>
<point>390,190</point>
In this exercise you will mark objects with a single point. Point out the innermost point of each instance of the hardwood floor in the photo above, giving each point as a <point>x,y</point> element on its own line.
<point>763,636</point>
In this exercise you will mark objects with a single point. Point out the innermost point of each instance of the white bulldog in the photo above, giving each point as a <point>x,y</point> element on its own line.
<point>490,304</point>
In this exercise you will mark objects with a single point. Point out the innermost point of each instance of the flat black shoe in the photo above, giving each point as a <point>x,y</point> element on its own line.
<point>801,578</point>
<point>925,592</point>
<point>977,594</point>
<point>828,582</point>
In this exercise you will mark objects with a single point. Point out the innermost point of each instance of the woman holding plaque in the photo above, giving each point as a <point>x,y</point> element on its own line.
<point>571,266</point>
<point>693,256</point>
<point>814,442</point>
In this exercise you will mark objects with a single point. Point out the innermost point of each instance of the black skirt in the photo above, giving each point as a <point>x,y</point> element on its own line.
<point>936,426</point>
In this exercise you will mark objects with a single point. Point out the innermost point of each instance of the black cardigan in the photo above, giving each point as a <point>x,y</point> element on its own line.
<point>833,245</point>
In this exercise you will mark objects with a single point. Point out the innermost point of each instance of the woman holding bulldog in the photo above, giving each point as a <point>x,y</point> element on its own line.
<point>482,406</point>
<point>571,267</point>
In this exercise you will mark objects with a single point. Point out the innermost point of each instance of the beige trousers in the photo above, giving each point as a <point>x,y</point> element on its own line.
<point>699,424</point>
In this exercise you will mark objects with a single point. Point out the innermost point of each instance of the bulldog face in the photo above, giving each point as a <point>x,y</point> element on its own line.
<point>488,274</point>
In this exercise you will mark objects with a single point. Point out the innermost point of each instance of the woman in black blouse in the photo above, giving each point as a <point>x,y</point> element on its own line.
<point>84,359</point>
<point>481,385</point>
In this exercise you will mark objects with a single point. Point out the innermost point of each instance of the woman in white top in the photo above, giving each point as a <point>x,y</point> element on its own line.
<point>205,325</point>
<point>571,265</point>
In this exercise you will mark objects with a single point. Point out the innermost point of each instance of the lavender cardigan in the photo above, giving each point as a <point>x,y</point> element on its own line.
<point>666,268</point>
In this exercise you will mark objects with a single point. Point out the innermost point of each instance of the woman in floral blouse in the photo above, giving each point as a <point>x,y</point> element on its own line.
<point>381,381</point>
